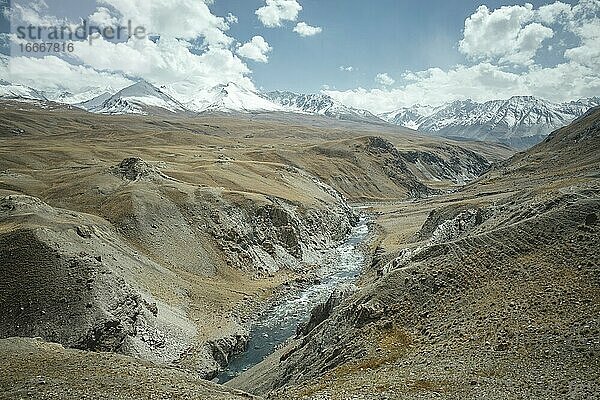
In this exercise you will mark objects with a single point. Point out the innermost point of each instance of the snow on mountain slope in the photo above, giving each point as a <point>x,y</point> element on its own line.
<point>96,102</point>
<point>232,97</point>
<point>520,121</point>
<point>222,98</point>
<point>19,92</point>
<point>144,98</point>
<point>79,98</point>
<point>408,117</point>
<point>320,104</point>
<point>139,98</point>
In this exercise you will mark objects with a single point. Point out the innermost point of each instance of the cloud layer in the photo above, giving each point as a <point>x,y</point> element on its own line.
<point>507,34</point>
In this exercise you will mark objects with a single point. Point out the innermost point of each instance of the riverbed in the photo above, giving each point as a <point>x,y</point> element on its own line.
<point>278,323</point>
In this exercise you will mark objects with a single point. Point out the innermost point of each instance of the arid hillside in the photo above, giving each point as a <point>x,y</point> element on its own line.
<point>163,238</point>
<point>488,292</point>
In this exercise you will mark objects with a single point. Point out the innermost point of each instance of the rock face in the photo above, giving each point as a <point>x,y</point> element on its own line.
<point>279,234</point>
<point>79,290</point>
<point>221,351</point>
<point>451,222</point>
<point>395,166</point>
<point>460,165</point>
<point>321,312</point>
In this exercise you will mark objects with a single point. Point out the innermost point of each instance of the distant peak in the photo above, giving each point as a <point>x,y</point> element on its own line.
<point>522,98</point>
<point>144,85</point>
<point>140,88</point>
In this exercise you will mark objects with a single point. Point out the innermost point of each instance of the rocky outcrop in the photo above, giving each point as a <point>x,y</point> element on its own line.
<point>221,350</point>
<point>451,222</point>
<point>454,164</point>
<point>135,169</point>
<point>322,311</point>
<point>279,234</point>
<point>79,290</point>
<point>396,168</point>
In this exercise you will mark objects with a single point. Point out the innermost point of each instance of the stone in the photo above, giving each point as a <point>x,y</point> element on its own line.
<point>84,231</point>
<point>591,219</point>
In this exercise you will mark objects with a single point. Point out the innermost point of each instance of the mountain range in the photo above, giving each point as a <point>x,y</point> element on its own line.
<point>144,98</point>
<point>12,91</point>
<point>320,104</point>
<point>520,121</point>
<point>140,98</point>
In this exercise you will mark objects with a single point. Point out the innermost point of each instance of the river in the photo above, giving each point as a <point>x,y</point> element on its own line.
<point>279,322</point>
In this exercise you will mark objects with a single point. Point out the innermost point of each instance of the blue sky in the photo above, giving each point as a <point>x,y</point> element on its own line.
<point>379,55</point>
<point>373,37</point>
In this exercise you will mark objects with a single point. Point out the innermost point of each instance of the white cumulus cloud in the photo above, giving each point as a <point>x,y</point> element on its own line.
<point>102,17</point>
<point>53,73</point>
<point>384,79</point>
<point>231,19</point>
<point>550,13</point>
<point>346,69</point>
<point>507,34</point>
<point>184,19</point>
<point>276,11</point>
<point>303,29</point>
<point>167,61</point>
<point>584,22</point>
<point>256,49</point>
<point>174,59</point>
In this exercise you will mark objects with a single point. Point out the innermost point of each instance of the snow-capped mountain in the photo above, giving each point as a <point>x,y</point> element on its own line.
<point>320,104</point>
<point>144,98</point>
<point>520,121</point>
<point>222,98</point>
<point>233,98</point>
<point>78,98</point>
<point>139,98</point>
<point>96,102</point>
<point>408,117</point>
<point>19,92</point>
